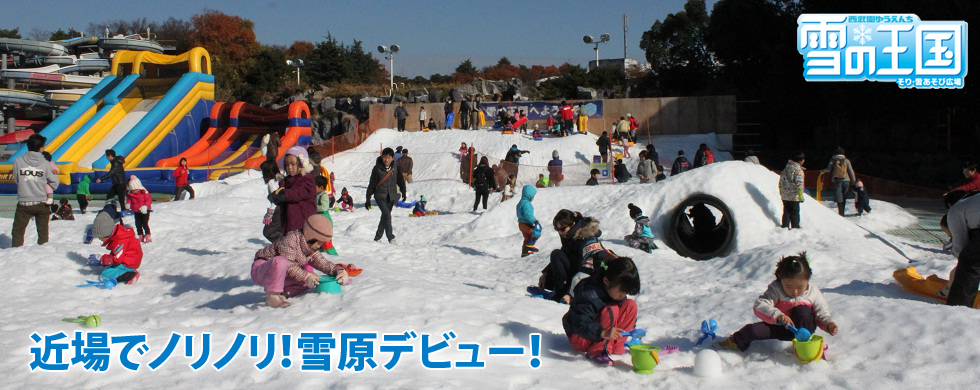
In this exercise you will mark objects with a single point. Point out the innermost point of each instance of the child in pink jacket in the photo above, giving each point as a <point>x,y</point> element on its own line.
<point>285,268</point>
<point>140,203</point>
<point>792,300</point>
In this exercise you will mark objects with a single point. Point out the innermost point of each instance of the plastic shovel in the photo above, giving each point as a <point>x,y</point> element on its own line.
<point>803,335</point>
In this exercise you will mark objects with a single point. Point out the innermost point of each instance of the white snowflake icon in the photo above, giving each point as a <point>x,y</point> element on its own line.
<point>862,34</point>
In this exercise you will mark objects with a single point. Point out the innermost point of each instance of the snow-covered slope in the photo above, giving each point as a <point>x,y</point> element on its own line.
<point>461,271</point>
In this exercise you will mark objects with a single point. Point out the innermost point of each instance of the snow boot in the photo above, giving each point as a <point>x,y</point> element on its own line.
<point>148,239</point>
<point>726,344</point>
<point>601,359</point>
<point>142,238</point>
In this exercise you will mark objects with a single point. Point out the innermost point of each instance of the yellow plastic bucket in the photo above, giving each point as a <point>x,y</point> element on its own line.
<point>645,358</point>
<point>809,351</point>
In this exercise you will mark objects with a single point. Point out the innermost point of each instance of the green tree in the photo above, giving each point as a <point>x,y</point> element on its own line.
<point>466,67</point>
<point>10,33</point>
<point>331,62</point>
<point>678,52</point>
<point>503,62</point>
<point>62,34</point>
<point>266,74</point>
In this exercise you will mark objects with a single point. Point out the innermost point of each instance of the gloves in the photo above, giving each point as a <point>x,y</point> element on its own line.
<point>268,216</point>
<point>801,196</point>
<point>93,260</point>
<point>342,277</point>
<point>311,280</point>
<point>143,210</point>
<point>367,205</point>
<point>277,197</point>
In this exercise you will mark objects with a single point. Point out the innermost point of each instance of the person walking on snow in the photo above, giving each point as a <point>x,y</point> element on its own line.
<point>384,185</point>
<point>32,172</point>
<point>791,190</point>
<point>526,221</point>
<point>118,176</point>
<point>843,175</point>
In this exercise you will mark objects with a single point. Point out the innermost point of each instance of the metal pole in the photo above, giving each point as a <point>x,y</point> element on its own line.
<point>297,76</point>
<point>597,56</point>
<point>625,24</point>
<point>391,66</point>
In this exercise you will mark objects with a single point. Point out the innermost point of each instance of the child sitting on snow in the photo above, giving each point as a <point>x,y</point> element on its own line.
<point>862,202</point>
<point>594,180</point>
<point>542,181</point>
<point>600,310</point>
<point>140,202</point>
<point>419,210</point>
<point>642,236</point>
<point>509,188</point>
<point>285,268</point>
<point>125,254</point>
<point>526,220</point>
<point>346,202</point>
<point>62,211</point>
<point>791,299</point>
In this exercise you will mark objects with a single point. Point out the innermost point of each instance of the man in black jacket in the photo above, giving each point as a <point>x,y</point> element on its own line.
<point>482,182</point>
<point>464,114</point>
<point>384,185</point>
<point>401,114</point>
<point>681,164</point>
<point>448,109</point>
<point>604,146</point>
<point>118,175</point>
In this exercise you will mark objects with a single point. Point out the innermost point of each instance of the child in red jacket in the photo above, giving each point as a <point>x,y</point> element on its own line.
<point>141,203</point>
<point>125,253</point>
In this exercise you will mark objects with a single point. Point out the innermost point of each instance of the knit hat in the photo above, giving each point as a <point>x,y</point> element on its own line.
<point>634,211</point>
<point>554,154</point>
<point>423,199</point>
<point>318,227</point>
<point>135,184</point>
<point>304,159</point>
<point>343,191</point>
<point>103,225</point>
<point>859,184</point>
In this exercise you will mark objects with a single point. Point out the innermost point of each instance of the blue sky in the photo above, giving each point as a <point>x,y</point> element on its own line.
<point>435,36</point>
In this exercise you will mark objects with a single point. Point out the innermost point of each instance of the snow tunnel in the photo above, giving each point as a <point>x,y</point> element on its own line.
<point>701,228</point>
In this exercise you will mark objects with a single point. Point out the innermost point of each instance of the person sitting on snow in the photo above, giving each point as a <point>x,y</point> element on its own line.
<point>601,310</point>
<point>125,253</point>
<point>419,210</point>
<point>346,202</point>
<point>642,236</point>
<point>286,268</point>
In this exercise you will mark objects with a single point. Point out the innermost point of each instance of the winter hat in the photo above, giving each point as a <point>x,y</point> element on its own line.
<point>135,184</point>
<point>680,152</point>
<point>343,191</point>
<point>839,151</point>
<point>423,199</point>
<point>514,146</point>
<point>554,154</point>
<point>859,184</point>
<point>304,159</point>
<point>634,211</point>
<point>103,225</point>
<point>318,227</point>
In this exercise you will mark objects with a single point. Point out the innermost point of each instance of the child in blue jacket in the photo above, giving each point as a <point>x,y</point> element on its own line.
<point>642,236</point>
<point>526,219</point>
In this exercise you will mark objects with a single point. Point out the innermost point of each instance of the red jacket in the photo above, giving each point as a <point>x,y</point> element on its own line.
<point>972,185</point>
<point>139,199</point>
<point>567,113</point>
<point>181,174</point>
<point>550,122</point>
<point>633,124</point>
<point>124,249</point>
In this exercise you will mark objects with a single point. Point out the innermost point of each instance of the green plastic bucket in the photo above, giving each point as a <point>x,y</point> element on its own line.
<point>328,285</point>
<point>645,358</point>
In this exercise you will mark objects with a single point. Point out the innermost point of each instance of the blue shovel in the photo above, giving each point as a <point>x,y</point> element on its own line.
<point>802,335</point>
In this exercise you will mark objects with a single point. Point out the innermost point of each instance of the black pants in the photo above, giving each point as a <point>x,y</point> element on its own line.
<point>966,280</point>
<point>41,215</point>
<point>142,222</point>
<point>401,124</point>
<point>179,190</point>
<point>802,316</point>
<point>481,194</point>
<point>558,274</point>
<point>566,127</point>
<point>791,214</point>
<point>384,226</point>
<point>464,120</point>
<point>118,190</point>
<point>421,125</point>
<point>82,202</point>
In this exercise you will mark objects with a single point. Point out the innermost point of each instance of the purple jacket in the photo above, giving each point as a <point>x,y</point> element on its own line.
<point>300,201</point>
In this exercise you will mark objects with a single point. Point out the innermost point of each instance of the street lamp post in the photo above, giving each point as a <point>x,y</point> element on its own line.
<point>390,56</point>
<point>589,40</point>
<point>298,63</point>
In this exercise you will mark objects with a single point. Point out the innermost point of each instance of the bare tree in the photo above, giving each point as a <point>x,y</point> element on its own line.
<point>39,34</point>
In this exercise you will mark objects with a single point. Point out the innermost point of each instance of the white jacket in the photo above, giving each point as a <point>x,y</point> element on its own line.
<point>775,301</point>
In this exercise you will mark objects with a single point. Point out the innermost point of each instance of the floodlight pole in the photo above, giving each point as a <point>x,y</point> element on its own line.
<point>391,77</point>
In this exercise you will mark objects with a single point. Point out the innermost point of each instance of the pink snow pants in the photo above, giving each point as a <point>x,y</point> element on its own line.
<point>272,274</point>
